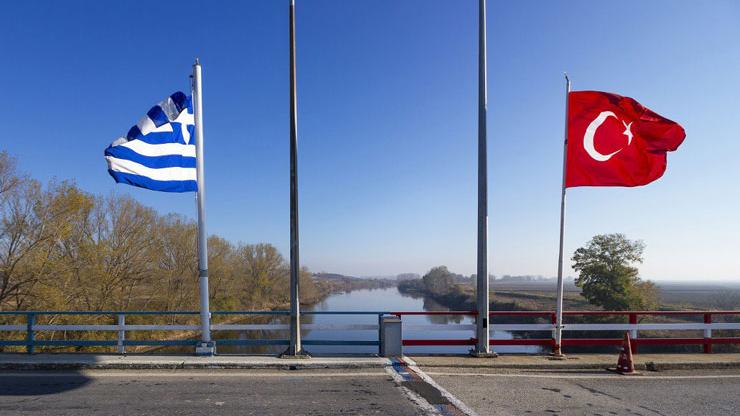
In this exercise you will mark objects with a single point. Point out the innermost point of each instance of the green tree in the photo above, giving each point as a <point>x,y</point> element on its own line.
<point>608,276</point>
<point>438,280</point>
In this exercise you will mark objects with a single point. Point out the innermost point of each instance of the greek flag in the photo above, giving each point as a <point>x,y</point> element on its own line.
<point>158,153</point>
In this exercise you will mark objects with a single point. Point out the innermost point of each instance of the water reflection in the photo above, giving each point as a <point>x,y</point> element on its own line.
<point>379,300</point>
<point>431,305</point>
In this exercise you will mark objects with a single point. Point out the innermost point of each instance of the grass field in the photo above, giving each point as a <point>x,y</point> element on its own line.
<point>673,295</point>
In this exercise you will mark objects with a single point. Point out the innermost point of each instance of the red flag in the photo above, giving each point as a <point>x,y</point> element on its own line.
<point>615,141</point>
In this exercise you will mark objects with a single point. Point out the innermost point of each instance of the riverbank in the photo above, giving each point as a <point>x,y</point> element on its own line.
<point>461,297</point>
<point>337,283</point>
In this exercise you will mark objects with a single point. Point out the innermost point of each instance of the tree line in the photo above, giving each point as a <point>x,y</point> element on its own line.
<point>607,276</point>
<point>65,249</point>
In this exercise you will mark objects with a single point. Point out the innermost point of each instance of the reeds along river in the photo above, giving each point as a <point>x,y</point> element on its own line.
<point>387,299</point>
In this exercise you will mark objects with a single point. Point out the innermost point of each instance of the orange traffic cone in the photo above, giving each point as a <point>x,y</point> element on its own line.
<point>625,365</point>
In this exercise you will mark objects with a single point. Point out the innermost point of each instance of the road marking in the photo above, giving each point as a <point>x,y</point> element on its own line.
<point>416,399</point>
<point>406,371</point>
<point>561,376</point>
<point>454,400</point>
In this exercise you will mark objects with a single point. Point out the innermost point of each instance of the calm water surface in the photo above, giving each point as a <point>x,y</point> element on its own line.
<point>386,300</point>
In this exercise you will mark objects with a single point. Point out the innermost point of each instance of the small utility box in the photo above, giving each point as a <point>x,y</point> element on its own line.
<point>390,336</point>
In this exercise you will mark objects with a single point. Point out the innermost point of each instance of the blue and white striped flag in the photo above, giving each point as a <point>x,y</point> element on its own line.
<point>158,153</point>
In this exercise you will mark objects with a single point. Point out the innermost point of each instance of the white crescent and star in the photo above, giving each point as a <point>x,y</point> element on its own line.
<point>588,137</point>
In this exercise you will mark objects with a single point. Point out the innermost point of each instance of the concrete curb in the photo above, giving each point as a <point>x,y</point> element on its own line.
<point>89,362</point>
<point>180,366</point>
<point>50,362</point>
<point>645,362</point>
<point>649,366</point>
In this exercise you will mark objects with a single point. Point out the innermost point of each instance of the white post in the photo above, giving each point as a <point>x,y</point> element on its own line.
<point>482,347</point>
<point>559,307</point>
<point>206,346</point>
<point>121,333</point>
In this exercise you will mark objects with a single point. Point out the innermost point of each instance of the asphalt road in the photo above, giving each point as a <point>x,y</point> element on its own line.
<point>369,392</point>
<point>551,392</point>
<point>218,392</point>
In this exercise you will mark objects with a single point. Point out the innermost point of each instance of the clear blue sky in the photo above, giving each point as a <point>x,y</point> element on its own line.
<point>387,121</point>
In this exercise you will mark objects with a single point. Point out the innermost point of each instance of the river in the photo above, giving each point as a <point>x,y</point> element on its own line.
<point>386,299</point>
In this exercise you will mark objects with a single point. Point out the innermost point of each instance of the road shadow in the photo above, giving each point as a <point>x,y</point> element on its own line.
<point>35,383</point>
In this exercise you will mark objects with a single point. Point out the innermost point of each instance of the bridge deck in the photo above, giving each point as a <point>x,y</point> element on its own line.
<point>437,385</point>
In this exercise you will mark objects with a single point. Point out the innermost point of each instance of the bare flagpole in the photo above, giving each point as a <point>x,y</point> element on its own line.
<point>206,346</point>
<point>482,347</point>
<point>294,348</point>
<point>559,307</point>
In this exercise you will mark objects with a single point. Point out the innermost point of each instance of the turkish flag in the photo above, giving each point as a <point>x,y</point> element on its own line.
<point>615,141</point>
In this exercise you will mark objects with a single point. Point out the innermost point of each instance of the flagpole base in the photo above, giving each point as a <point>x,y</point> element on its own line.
<point>478,354</point>
<point>288,355</point>
<point>557,354</point>
<point>205,349</point>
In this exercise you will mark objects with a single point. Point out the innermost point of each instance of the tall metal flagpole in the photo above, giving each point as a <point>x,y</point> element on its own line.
<point>206,346</point>
<point>559,307</point>
<point>294,348</point>
<point>482,348</point>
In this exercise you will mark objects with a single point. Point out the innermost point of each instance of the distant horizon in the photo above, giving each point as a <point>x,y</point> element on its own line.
<point>548,278</point>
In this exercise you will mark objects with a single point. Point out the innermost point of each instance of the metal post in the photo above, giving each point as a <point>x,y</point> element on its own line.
<point>482,347</point>
<point>380,334</point>
<point>30,339</point>
<point>294,348</point>
<point>707,334</point>
<point>553,321</point>
<point>206,346</point>
<point>633,333</point>
<point>121,334</point>
<point>559,307</point>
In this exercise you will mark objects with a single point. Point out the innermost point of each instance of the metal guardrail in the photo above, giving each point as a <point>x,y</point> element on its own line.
<point>31,329</point>
<point>121,328</point>
<point>707,326</point>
